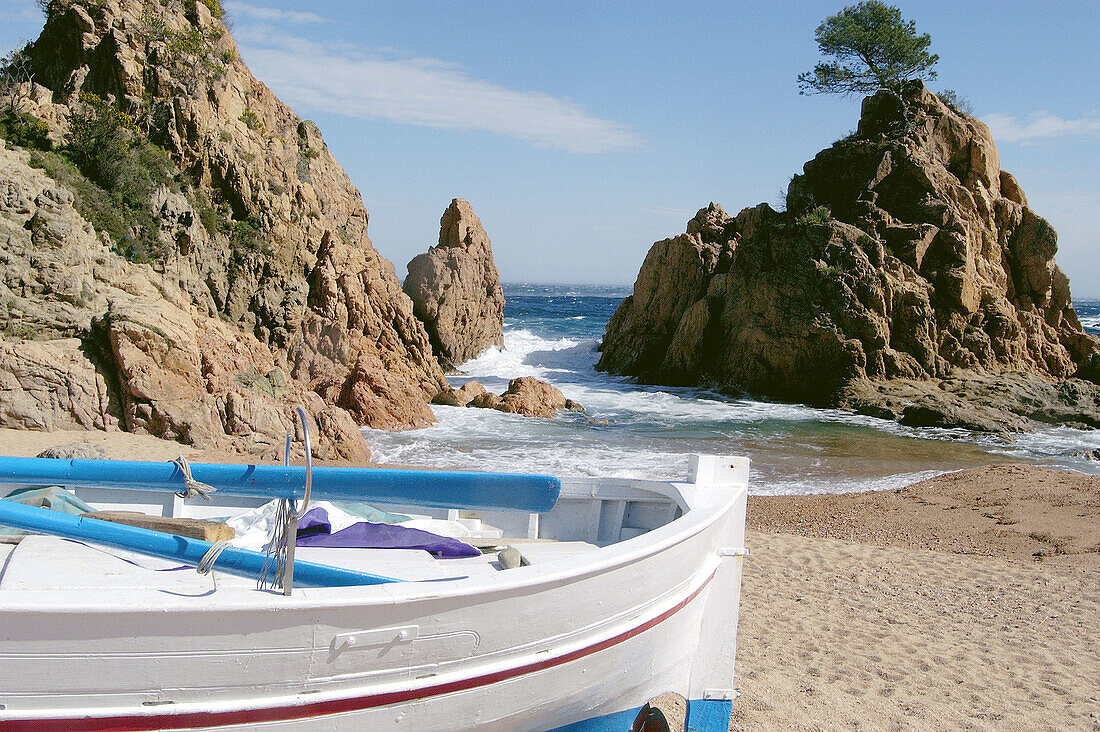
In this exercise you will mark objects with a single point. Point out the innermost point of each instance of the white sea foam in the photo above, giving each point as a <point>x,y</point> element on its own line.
<point>479,439</point>
<point>795,486</point>
<point>635,431</point>
<point>1058,446</point>
<point>570,365</point>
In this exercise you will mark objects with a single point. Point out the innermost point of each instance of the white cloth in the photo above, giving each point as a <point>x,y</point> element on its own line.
<point>253,528</point>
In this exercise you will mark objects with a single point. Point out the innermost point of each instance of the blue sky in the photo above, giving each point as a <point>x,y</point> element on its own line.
<point>583,131</point>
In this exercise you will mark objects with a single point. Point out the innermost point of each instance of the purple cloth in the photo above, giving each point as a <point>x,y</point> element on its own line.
<point>315,529</point>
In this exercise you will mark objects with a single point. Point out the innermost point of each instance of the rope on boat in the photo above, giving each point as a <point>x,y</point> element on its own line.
<point>271,573</point>
<point>278,566</point>
<point>206,564</point>
<point>192,487</point>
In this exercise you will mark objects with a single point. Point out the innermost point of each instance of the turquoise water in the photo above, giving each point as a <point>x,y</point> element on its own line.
<point>551,332</point>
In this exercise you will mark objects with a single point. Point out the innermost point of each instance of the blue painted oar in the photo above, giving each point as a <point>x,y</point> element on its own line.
<point>241,562</point>
<point>432,488</point>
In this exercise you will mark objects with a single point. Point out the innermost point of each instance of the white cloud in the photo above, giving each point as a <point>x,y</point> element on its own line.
<point>1040,125</point>
<point>422,91</point>
<point>272,15</point>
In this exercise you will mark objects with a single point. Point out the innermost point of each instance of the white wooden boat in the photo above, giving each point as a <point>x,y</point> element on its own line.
<point>627,589</point>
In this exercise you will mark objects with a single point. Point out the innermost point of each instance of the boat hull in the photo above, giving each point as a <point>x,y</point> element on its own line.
<point>533,648</point>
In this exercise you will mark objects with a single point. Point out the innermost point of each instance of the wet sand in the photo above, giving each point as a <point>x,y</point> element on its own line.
<point>1007,511</point>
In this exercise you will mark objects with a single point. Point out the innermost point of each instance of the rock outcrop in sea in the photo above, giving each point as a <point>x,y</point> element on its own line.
<point>525,395</point>
<point>908,278</point>
<point>223,279</point>
<point>460,397</point>
<point>455,289</point>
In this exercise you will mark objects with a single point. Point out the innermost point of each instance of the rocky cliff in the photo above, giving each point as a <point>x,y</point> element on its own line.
<point>455,288</point>
<point>908,278</point>
<point>237,283</point>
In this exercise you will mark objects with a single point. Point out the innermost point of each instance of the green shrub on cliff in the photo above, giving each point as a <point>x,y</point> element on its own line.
<point>195,54</point>
<point>113,156</point>
<point>815,217</point>
<point>248,235</point>
<point>24,130</point>
<point>16,78</point>
<point>251,120</point>
<point>215,7</point>
<point>100,141</point>
<point>107,146</point>
<point>151,25</point>
<point>90,200</point>
<point>130,224</point>
<point>956,101</point>
<point>873,49</point>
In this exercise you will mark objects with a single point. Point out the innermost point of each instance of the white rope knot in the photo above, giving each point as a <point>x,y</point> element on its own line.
<point>192,487</point>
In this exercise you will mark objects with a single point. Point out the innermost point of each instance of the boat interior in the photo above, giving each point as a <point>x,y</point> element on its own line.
<point>588,515</point>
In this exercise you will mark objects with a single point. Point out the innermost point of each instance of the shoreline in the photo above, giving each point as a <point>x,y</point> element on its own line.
<point>1008,510</point>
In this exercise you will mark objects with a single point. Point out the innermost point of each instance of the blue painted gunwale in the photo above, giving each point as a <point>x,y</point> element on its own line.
<point>426,488</point>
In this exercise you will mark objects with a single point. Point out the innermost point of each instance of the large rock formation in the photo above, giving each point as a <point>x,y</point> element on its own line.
<point>264,291</point>
<point>93,341</point>
<point>906,279</point>
<point>455,288</point>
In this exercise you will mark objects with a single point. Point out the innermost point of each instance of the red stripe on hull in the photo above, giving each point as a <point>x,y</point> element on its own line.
<point>134,723</point>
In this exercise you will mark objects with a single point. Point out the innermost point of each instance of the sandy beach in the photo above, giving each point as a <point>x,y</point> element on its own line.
<point>969,601</point>
<point>128,446</point>
<point>117,445</point>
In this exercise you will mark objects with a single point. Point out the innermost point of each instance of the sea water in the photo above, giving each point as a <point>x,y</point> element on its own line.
<point>631,430</point>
